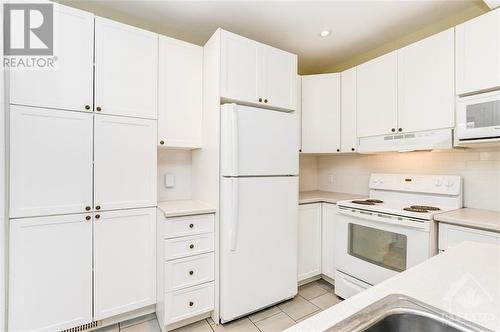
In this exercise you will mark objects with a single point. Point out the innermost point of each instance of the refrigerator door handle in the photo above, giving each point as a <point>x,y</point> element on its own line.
<point>234,140</point>
<point>234,216</point>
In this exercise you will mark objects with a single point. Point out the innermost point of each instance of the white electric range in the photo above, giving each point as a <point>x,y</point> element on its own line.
<point>392,229</point>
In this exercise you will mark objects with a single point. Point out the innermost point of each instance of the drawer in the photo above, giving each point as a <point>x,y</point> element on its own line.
<point>189,225</point>
<point>190,271</point>
<point>190,302</point>
<point>188,246</point>
<point>451,235</point>
<point>347,286</point>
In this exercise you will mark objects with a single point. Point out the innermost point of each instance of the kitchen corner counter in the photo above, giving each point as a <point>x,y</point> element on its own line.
<point>184,208</point>
<point>475,218</point>
<point>463,281</point>
<point>318,196</point>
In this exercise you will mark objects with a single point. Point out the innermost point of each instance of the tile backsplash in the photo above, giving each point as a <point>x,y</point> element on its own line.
<point>480,170</point>
<point>178,164</point>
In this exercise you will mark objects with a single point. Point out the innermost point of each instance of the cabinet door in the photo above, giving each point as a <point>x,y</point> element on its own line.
<point>50,273</point>
<point>124,261</point>
<point>377,96</point>
<point>478,53</point>
<point>124,162</point>
<point>50,161</point>
<point>329,213</point>
<point>126,70</point>
<point>348,138</point>
<point>426,83</point>
<point>279,78</point>
<point>69,84</point>
<point>321,113</point>
<point>180,93</point>
<point>309,264</point>
<point>239,68</point>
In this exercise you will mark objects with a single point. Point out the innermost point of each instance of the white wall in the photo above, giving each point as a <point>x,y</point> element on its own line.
<point>308,172</point>
<point>480,170</point>
<point>178,163</point>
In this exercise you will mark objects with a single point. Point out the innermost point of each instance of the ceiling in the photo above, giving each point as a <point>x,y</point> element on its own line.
<point>356,26</point>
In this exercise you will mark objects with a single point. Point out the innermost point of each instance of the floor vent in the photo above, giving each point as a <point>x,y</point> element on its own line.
<point>84,327</point>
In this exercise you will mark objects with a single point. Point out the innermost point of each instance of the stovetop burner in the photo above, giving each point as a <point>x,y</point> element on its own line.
<point>368,201</point>
<point>371,200</point>
<point>425,207</point>
<point>413,209</point>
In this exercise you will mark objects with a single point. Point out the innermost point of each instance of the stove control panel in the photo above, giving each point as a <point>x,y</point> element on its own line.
<point>429,184</point>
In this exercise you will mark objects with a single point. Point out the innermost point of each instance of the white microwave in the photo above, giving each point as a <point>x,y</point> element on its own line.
<point>478,117</point>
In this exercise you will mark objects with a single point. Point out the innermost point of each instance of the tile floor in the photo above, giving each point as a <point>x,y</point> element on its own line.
<point>312,298</point>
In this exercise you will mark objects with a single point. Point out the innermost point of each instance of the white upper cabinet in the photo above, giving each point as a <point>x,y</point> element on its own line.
<point>321,113</point>
<point>126,70</point>
<point>50,161</point>
<point>180,94</point>
<point>124,261</point>
<point>257,74</point>
<point>426,83</point>
<point>124,162</point>
<point>377,93</point>
<point>348,138</point>
<point>50,273</point>
<point>478,53</point>
<point>69,84</point>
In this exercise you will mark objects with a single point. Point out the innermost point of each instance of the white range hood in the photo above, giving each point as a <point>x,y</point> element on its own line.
<point>403,142</point>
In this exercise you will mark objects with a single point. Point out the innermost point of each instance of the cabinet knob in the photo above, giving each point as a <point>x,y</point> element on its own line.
<point>87,217</point>
<point>265,100</point>
<point>191,303</point>
<point>393,129</point>
<point>87,107</point>
<point>87,208</point>
<point>98,108</point>
<point>300,150</point>
<point>191,246</point>
<point>400,129</point>
<point>162,142</point>
<point>191,272</point>
<point>191,225</point>
<point>260,100</point>
<point>338,150</point>
<point>97,207</point>
<point>97,216</point>
<point>353,149</point>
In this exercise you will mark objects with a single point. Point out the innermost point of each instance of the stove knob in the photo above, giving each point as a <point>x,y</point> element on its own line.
<point>449,184</point>
<point>439,183</point>
<point>375,181</point>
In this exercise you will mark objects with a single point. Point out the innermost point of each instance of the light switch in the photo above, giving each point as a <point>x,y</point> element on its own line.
<point>169,180</point>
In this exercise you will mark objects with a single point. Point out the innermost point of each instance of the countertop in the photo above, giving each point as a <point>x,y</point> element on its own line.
<point>476,218</point>
<point>317,196</point>
<point>463,281</point>
<point>184,208</point>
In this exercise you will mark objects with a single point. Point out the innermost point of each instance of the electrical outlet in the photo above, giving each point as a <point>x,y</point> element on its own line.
<point>330,178</point>
<point>169,180</point>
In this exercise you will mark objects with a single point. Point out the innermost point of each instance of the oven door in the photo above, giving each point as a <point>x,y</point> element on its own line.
<point>373,247</point>
<point>478,116</point>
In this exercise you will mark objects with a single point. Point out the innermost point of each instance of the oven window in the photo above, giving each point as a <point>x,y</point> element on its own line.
<point>378,247</point>
<point>483,114</point>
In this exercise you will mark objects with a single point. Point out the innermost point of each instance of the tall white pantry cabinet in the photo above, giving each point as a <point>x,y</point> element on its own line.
<point>83,177</point>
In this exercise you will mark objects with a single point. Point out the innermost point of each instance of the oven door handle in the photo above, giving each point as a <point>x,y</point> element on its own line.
<point>384,218</point>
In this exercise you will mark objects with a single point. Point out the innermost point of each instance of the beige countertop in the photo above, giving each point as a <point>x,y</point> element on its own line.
<point>476,218</point>
<point>184,208</point>
<point>317,196</point>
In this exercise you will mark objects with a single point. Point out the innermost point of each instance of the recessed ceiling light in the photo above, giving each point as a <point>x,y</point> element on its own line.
<point>324,33</point>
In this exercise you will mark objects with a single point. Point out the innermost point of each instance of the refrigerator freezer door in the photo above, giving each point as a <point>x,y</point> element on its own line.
<point>256,141</point>
<point>258,249</point>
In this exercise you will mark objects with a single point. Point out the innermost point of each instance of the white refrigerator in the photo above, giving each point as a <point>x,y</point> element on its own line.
<point>258,209</point>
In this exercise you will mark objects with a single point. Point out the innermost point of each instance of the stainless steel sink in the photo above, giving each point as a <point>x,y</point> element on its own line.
<point>404,314</point>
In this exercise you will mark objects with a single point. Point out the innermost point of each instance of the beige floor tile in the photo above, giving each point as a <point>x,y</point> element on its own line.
<point>137,320</point>
<point>210,321</point>
<point>298,307</point>
<point>201,326</point>
<point>326,300</point>
<point>326,285</point>
<point>148,326</point>
<point>311,290</point>
<point>276,323</point>
<point>111,328</point>
<point>263,314</point>
<point>308,316</point>
<point>240,325</point>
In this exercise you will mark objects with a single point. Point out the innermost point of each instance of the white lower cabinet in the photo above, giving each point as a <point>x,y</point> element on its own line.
<point>328,218</point>
<point>124,261</point>
<point>185,268</point>
<point>451,235</point>
<point>50,273</point>
<point>309,252</point>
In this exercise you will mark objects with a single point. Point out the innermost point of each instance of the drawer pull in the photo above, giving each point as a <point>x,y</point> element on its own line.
<point>191,303</point>
<point>191,272</point>
<point>191,246</point>
<point>191,225</point>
